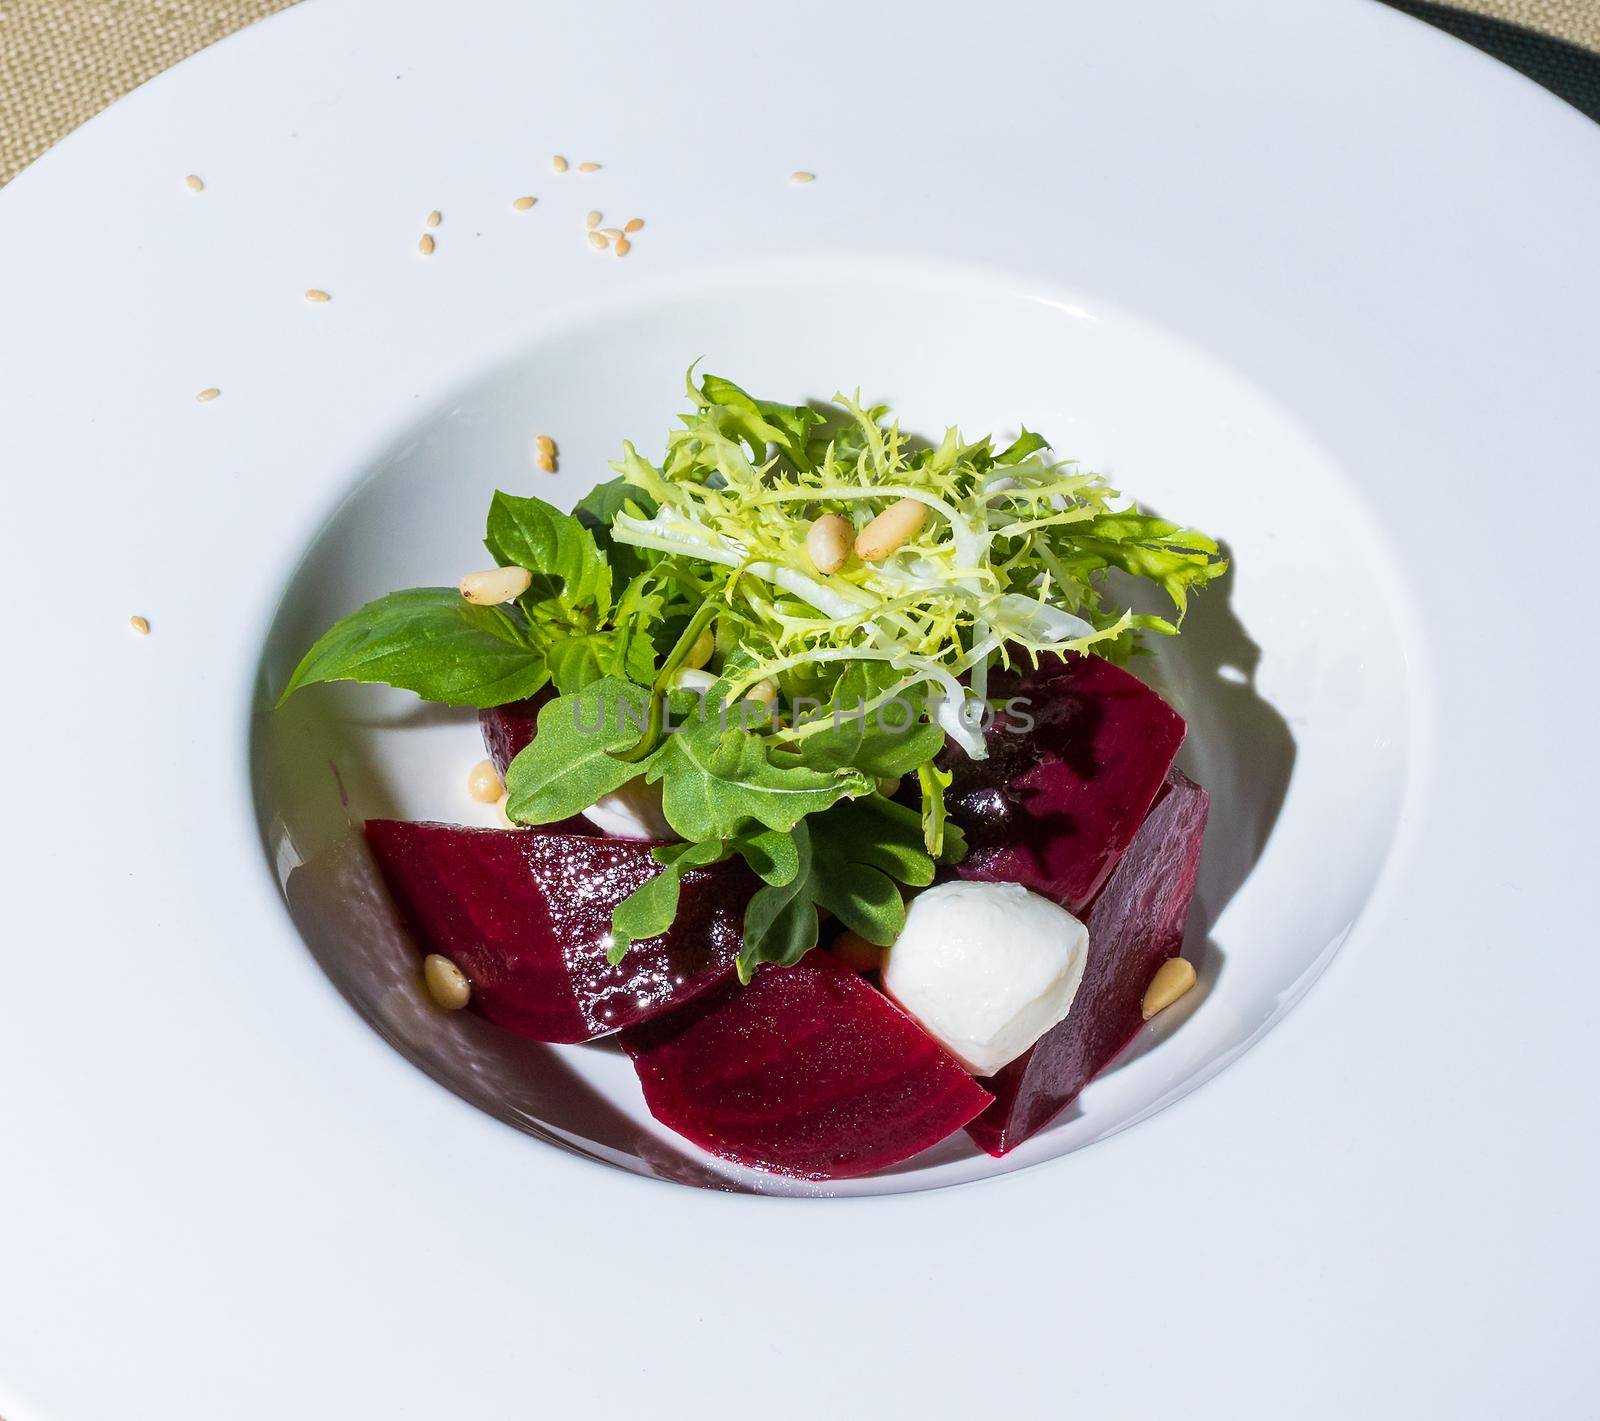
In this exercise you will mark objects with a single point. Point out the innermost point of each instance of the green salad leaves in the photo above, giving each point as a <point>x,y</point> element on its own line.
<point>825,693</point>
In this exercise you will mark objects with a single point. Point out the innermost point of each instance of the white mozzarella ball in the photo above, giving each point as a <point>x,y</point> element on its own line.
<point>986,968</point>
<point>632,812</point>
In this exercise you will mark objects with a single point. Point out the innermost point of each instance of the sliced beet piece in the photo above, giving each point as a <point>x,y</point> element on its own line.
<point>808,1071</point>
<point>1135,925</point>
<point>1053,807</point>
<point>509,728</point>
<point>527,915</point>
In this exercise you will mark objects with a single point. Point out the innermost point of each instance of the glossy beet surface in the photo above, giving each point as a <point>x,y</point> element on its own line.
<point>808,1071</point>
<point>526,915</point>
<point>1135,924</point>
<point>1052,808</point>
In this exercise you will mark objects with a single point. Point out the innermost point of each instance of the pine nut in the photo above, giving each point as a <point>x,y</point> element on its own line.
<point>891,530</point>
<point>545,463</point>
<point>801,176</point>
<point>611,233</point>
<point>434,218</point>
<point>856,952</point>
<point>208,394</point>
<point>483,783</point>
<point>425,245</point>
<point>593,219</point>
<point>316,294</point>
<point>140,625</point>
<point>588,167</point>
<point>623,245</point>
<point>633,224</point>
<point>559,163</point>
<point>763,693</point>
<point>446,983</point>
<point>828,542</point>
<point>700,652</point>
<point>502,808</point>
<point>1173,979</point>
<point>598,242</point>
<point>194,183</point>
<point>545,445</point>
<point>497,585</point>
<point>522,204</point>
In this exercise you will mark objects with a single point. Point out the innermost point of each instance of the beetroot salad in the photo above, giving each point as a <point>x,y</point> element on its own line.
<point>825,784</point>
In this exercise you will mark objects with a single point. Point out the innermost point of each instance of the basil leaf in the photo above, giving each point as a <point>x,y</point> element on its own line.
<point>569,571</point>
<point>430,640</point>
<point>598,508</point>
<point>567,766</point>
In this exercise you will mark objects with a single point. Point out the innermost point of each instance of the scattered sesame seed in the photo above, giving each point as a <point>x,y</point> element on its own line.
<point>434,218</point>
<point>425,246</point>
<point>559,163</point>
<point>598,241</point>
<point>801,176</point>
<point>209,393</point>
<point>633,224</point>
<point>140,624</point>
<point>624,246</point>
<point>593,219</point>
<point>316,294</point>
<point>522,204</point>
<point>588,167</point>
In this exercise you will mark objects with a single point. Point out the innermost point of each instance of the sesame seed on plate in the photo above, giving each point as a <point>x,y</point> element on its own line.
<point>434,218</point>
<point>559,163</point>
<point>801,176</point>
<point>426,245</point>
<point>141,625</point>
<point>633,224</point>
<point>317,294</point>
<point>522,204</point>
<point>209,393</point>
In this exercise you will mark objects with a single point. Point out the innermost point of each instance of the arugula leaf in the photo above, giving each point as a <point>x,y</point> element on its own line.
<point>857,738</point>
<point>568,568</point>
<point>780,921</point>
<point>430,640</point>
<point>934,782</point>
<point>649,910</point>
<point>715,777</point>
<point>567,767</point>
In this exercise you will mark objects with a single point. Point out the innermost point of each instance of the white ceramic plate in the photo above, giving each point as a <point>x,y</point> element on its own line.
<point>1318,279</point>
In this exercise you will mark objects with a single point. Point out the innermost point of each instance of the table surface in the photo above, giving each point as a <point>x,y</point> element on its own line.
<point>62,61</point>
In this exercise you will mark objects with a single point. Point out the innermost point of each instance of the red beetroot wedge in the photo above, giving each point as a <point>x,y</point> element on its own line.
<point>1053,808</point>
<point>808,1071</point>
<point>509,728</point>
<point>1135,925</point>
<point>527,916</point>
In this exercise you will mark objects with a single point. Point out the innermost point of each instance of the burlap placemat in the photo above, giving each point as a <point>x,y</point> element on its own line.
<point>63,60</point>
